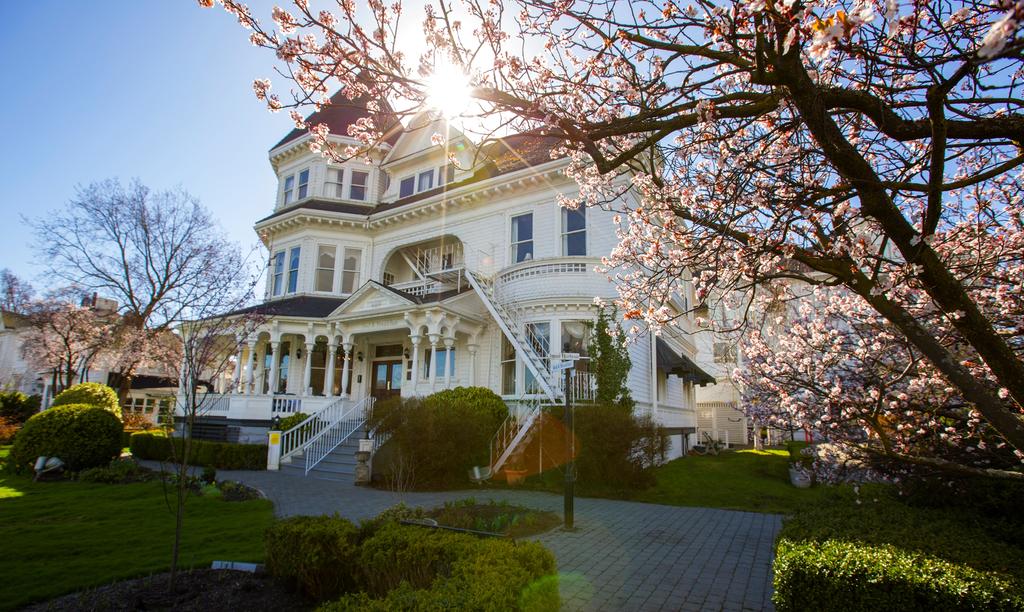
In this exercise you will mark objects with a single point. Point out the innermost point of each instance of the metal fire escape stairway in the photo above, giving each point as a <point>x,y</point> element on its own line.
<point>515,431</point>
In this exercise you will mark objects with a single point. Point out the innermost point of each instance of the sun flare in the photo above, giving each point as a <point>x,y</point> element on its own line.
<point>448,90</point>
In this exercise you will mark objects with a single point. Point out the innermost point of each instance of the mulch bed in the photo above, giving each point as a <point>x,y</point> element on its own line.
<point>197,590</point>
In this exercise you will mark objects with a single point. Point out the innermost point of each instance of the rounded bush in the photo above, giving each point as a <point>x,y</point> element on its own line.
<point>317,554</point>
<point>93,394</point>
<point>81,435</point>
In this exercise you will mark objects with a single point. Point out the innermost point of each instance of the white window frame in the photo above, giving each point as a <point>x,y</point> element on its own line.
<point>566,232</point>
<point>338,190</point>
<point>288,187</point>
<point>513,244</point>
<point>355,273</point>
<point>277,276</point>
<point>294,253</point>
<point>426,174</point>
<point>318,268</point>
<point>365,186</point>
<point>303,186</point>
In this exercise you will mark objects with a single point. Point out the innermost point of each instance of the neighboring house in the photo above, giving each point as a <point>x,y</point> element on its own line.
<point>15,372</point>
<point>152,391</point>
<point>719,405</point>
<point>410,275</point>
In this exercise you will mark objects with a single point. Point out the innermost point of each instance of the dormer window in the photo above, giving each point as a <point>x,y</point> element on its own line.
<point>303,184</point>
<point>445,174</point>
<point>289,189</point>
<point>407,187</point>
<point>426,180</point>
<point>333,186</point>
<point>357,190</point>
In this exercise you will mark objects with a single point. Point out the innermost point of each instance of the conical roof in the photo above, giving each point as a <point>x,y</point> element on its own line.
<point>338,115</point>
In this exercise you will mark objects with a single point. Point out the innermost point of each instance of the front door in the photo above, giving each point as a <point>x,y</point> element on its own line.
<point>387,379</point>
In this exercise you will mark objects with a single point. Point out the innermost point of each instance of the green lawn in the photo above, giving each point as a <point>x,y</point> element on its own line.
<point>737,480</point>
<point>65,536</point>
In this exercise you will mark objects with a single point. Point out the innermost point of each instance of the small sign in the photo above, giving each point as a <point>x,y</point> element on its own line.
<point>275,438</point>
<point>568,356</point>
<point>237,566</point>
<point>561,365</point>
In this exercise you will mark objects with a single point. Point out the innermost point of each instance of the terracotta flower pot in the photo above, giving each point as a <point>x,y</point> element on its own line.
<point>515,477</point>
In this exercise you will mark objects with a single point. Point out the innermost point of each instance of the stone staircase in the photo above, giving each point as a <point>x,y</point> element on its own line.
<point>338,466</point>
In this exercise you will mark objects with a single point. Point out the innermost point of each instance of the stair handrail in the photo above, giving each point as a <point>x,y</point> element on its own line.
<point>511,433</point>
<point>296,438</point>
<point>330,438</point>
<point>508,321</point>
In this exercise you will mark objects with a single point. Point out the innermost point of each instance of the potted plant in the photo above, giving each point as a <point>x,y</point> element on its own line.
<point>515,473</point>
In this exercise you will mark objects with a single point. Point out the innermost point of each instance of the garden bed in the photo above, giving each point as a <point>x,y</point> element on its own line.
<point>494,517</point>
<point>197,590</point>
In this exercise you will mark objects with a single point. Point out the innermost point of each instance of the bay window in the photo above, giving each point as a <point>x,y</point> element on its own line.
<point>333,185</point>
<point>277,283</point>
<point>289,189</point>
<point>407,187</point>
<point>303,184</point>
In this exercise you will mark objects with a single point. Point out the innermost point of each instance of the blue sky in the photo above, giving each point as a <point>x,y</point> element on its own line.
<point>158,90</point>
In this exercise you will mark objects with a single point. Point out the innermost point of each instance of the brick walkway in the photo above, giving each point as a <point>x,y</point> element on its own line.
<point>623,555</point>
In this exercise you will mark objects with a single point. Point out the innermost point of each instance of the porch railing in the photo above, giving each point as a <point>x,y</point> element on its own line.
<point>293,440</point>
<point>286,405</point>
<point>331,437</point>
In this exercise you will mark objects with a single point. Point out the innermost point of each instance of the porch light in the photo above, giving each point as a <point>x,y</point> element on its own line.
<point>405,353</point>
<point>359,356</point>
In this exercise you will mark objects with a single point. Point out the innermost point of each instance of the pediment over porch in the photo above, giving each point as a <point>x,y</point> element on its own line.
<point>371,298</point>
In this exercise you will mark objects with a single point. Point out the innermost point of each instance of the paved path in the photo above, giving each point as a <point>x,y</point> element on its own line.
<point>623,555</point>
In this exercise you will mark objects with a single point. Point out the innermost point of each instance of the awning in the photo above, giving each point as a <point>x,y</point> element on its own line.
<point>680,365</point>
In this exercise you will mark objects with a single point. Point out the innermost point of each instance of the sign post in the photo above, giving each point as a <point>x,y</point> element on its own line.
<point>570,465</point>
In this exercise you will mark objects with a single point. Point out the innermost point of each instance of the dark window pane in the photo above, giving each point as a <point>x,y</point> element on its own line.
<point>407,187</point>
<point>575,219</point>
<point>576,244</point>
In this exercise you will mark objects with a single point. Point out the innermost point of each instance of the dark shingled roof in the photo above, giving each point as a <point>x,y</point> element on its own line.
<point>338,115</point>
<point>299,306</point>
<point>430,298</point>
<point>680,365</point>
<point>504,155</point>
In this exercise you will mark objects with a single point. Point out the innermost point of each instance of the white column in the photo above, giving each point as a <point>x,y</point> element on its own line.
<point>261,358</point>
<point>275,365</point>
<point>307,369</point>
<point>449,369</point>
<point>472,364</point>
<point>433,361</point>
<point>346,365</point>
<point>332,348</point>
<point>236,381</point>
<point>415,360</point>
<point>654,375</point>
<point>249,376</point>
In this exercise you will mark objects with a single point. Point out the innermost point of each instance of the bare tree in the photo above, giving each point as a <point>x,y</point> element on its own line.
<point>152,251</point>
<point>15,293</point>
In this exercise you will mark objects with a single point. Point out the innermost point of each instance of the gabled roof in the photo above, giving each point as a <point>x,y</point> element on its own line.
<point>339,115</point>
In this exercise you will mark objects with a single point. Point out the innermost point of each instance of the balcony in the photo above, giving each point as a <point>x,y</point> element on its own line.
<point>553,278</point>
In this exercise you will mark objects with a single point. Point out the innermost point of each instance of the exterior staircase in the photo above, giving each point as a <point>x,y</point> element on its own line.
<point>514,434</point>
<point>338,465</point>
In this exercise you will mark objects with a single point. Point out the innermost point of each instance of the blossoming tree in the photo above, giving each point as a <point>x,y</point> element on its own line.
<point>871,145</point>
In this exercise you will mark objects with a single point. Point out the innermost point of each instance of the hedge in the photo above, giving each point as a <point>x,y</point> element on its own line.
<point>220,455</point>
<point>82,436</point>
<point>316,554</point>
<point>883,554</point>
<point>16,407</point>
<point>94,394</point>
<point>386,566</point>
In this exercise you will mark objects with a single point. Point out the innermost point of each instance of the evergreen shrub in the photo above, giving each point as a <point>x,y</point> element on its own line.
<point>94,394</point>
<point>81,435</point>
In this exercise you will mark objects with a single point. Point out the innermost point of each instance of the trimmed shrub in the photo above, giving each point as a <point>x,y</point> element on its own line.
<point>90,393</point>
<point>884,554</point>
<point>16,407</point>
<point>412,568</point>
<point>442,436</point>
<point>316,554</point>
<point>220,455</point>
<point>293,420</point>
<point>83,436</point>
